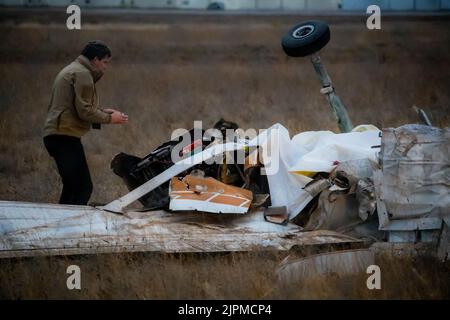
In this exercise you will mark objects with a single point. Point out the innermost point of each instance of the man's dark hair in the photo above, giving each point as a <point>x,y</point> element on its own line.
<point>96,49</point>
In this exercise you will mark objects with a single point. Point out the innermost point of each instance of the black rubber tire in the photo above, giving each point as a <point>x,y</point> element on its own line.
<point>306,38</point>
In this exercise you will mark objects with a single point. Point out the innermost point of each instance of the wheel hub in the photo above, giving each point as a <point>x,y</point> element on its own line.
<point>303,31</point>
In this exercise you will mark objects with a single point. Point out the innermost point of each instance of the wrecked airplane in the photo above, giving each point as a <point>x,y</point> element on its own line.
<point>362,187</point>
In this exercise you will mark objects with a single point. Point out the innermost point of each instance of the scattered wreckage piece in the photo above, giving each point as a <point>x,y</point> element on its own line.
<point>413,185</point>
<point>208,194</point>
<point>357,261</point>
<point>345,262</point>
<point>354,261</point>
<point>287,163</point>
<point>135,171</point>
<point>181,166</point>
<point>409,188</point>
<point>348,199</point>
<point>30,229</point>
<point>276,215</point>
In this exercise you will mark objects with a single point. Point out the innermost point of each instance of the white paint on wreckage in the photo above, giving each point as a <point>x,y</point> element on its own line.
<point>30,229</point>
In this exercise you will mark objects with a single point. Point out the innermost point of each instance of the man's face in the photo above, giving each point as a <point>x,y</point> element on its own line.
<point>101,64</point>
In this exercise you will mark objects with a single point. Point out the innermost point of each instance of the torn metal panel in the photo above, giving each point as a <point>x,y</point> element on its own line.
<point>365,195</point>
<point>349,201</point>
<point>345,262</point>
<point>317,186</point>
<point>30,229</point>
<point>335,210</point>
<point>276,215</point>
<point>208,195</point>
<point>386,219</point>
<point>415,176</point>
<point>355,170</point>
<point>355,177</point>
<point>413,186</point>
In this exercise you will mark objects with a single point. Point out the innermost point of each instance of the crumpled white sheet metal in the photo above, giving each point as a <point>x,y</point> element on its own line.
<point>414,182</point>
<point>34,229</point>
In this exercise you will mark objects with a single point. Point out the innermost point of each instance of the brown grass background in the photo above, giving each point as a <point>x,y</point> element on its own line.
<point>171,69</point>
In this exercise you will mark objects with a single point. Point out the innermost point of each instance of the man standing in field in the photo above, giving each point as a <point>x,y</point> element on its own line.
<point>73,109</point>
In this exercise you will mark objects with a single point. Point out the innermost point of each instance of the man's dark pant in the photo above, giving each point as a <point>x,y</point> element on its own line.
<point>70,159</point>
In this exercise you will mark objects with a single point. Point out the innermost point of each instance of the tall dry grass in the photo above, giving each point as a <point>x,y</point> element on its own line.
<point>208,276</point>
<point>168,71</point>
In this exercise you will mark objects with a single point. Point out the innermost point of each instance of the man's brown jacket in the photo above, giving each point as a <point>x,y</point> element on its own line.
<point>74,105</point>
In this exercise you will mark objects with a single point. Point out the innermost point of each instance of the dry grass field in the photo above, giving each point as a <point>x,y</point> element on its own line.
<point>169,70</point>
<point>224,276</point>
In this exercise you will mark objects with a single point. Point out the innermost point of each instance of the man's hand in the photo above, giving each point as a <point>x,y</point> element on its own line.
<point>118,117</point>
